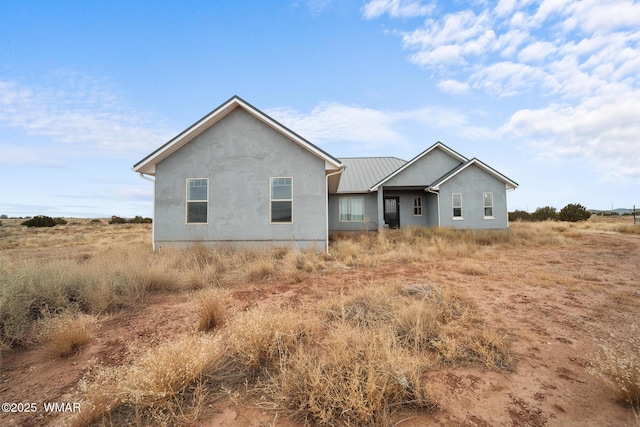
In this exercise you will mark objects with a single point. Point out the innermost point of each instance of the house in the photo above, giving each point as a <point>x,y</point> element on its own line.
<point>238,177</point>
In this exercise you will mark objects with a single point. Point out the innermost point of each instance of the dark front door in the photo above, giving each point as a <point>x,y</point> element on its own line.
<point>392,211</point>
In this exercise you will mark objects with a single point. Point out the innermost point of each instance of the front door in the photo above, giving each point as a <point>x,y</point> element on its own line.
<point>392,211</point>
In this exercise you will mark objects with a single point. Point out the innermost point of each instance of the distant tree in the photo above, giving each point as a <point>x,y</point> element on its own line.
<point>40,221</point>
<point>139,220</point>
<point>545,213</point>
<point>574,212</point>
<point>519,216</point>
<point>117,220</point>
<point>60,221</point>
<point>3,216</point>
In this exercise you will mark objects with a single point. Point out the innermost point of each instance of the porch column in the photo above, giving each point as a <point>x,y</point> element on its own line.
<point>380,208</point>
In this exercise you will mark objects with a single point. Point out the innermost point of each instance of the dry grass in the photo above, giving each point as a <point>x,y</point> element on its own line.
<point>358,376</point>
<point>212,309</point>
<point>64,335</point>
<point>150,389</point>
<point>618,368</point>
<point>353,359</point>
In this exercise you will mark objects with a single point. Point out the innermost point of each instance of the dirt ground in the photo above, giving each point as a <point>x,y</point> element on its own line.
<point>557,303</point>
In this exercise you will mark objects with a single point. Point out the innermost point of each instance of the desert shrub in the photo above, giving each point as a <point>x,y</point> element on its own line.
<point>140,220</point>
<point>212,309</point>
<point>261,338</point>
<point>117,220</point>
<point>152,385</point>
<point>359,376</point>
<point>544,214</point>
<point>60,221</point>
<point>104,283</point>
<point>519,216</point>
<point>617,366</point>
<point>574,212</point>
<point>40,221</point>
<point>67,333</point>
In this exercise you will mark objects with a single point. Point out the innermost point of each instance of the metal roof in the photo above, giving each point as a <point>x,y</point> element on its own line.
<point>361,173</point>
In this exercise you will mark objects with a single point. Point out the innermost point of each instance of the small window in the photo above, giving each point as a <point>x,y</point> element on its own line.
<point>351,209</point>
<point>281,200</point>
<point>456,202</point>
<point>197,200</point>
<point>417,206</point>
<point>488,205</point>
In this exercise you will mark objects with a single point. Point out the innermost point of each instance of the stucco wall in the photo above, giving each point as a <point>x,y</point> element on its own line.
<point>425,170</point>
<point>238,155</point>
<point>370,213</point>
<point>472,183</point>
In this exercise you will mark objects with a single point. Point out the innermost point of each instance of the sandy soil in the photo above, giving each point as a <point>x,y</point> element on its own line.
<point>558,304</point>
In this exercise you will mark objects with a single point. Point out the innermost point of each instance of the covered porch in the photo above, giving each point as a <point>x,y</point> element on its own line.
<point>406,206</point>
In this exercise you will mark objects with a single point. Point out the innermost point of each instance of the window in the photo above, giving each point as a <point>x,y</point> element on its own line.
<point>351,209</point>
<point>281,200</point>
<point>456,202</point>
<point>488,205</point>
<point>197,200</point>
<point>417,206</point>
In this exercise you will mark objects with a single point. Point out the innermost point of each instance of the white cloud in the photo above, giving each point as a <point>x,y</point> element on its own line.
<point>579,57</point>
<point>453,87</point>
<point>367,128</point>
<point>81,112</point>
<point>396,8</point>
<point>602,131</point>
<point>537,52</point>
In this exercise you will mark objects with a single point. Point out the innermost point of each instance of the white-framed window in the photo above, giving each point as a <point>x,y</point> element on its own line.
<point>351,209</point>
<point>456,204</point>
<point>487,201</point>
<point>417,206</point>
<point>281,197</point>
<point>197,200</point>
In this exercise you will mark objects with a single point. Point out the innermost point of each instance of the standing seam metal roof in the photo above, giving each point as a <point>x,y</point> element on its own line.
<point>361,173</point>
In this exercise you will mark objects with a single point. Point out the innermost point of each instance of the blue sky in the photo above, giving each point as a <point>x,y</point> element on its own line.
<point>546,92</point>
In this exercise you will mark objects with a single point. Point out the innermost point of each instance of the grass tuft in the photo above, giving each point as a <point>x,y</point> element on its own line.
<point>67,333</point>
<point>617,366</point>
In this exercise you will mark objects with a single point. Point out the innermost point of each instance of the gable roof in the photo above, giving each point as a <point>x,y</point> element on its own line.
<point>360,173</point>
<point>510,184</point>
<point>148,164</point>
<point>437,145</point>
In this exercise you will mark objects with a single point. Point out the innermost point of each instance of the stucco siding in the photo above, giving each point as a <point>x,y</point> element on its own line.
<point>239,155</point>
<point>370,213</point>
<point>472,183</point>
<point>425,170</point>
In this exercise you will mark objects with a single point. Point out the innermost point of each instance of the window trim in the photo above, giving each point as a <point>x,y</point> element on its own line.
<point>350,198</point>
<point>271,200</point>
<point>454,207</point>
<point>417,207</point>
<point>187,201</point>
<point>485,207</point>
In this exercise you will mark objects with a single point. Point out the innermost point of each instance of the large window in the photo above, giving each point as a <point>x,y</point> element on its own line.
<point>417,206</point>
<point>197,200</point>
<point>351,209</point>
<point>456,203</point>
<point>281,199</point>
<point>488,205</point>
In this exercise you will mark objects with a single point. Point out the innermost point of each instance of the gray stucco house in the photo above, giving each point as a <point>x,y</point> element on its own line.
<point>238,177</point>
